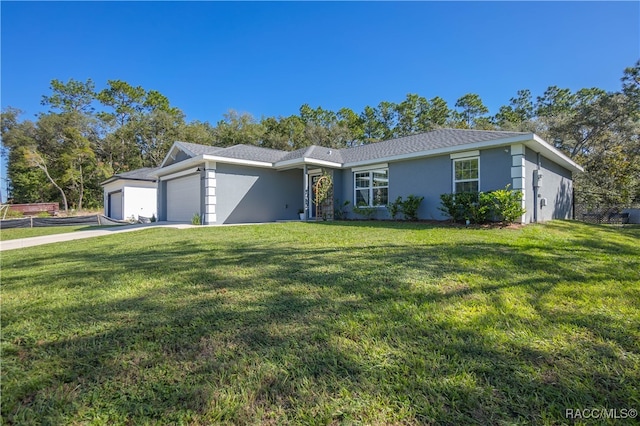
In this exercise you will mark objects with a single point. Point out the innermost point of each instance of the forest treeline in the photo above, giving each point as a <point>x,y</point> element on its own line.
<point>88,134</point>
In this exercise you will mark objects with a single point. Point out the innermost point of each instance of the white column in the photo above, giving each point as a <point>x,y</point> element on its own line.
<point>518,173</point>
<point>210,194</point>
<point>305,185</point>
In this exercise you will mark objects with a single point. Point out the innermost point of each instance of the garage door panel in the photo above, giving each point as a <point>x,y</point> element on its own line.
<point>115,205</point>
<point>183,198</point>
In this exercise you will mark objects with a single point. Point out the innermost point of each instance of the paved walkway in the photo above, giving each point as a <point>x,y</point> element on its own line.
<point>78,235</point>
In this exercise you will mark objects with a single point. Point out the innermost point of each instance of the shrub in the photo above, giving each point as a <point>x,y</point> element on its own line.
<point>395,207</point>
<point>480,207</point>
<point>507,204</point>
<point>450,207</point>
<point>13,214</point>
<point>195,220</point>
<point>410,207</point>
<point>366,211</point>
<point>340,211</point>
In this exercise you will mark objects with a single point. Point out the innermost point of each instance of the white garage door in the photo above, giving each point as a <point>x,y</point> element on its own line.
<point>183,198</point>
<point>115,205</point>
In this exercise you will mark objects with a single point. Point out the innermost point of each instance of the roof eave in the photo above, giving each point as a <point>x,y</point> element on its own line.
<point>553,153</point>
<point>181,165</point>
<point>308,161</point>
<point>444,150</point>
<point>116,178</point>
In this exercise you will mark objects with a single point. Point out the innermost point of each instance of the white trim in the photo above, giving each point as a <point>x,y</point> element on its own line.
<point>517,149</point>
<point>314,171</point>
<point>182,165</point>
<point>190,171</point>
<point>371,167</point>
<point>179,146</point>
<point>518,183</point>
<point>370,188</point>
<point>466,154</point>
<point>315,162</point>
<point>307,161</point>
<point>554,152</point>
<point>453,172</point>
<point>228,160</point>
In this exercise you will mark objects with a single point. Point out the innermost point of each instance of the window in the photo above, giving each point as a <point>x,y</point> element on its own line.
<point>466,175</point>
<point>371,188</point>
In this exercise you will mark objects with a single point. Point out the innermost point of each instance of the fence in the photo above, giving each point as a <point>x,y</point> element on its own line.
<point>36,222</point>
<point>594,208</point>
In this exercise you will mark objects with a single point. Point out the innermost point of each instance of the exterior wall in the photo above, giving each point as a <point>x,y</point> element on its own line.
<point>107,189</point>
<point>495,168</point>
<point>553,199</point>
<point>138,197</point>
<point>427,177</point>
<point>140,201</point>
<point>249,195</point>
<point>430,177</point>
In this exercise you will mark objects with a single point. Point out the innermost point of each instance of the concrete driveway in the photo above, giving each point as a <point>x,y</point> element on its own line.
<point>78,235</point>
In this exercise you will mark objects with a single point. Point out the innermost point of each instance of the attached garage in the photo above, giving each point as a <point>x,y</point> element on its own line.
<point>114,205</point>
<point>183,194</point>
<point>131,195</point>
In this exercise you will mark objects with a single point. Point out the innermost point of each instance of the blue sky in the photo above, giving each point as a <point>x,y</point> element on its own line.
<point>269,58</point>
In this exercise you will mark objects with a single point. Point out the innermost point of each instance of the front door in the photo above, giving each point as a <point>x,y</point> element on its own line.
<point>313,179</point>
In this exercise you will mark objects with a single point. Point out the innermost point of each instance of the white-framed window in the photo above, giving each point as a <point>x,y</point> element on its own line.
<point>371,188</point>
<point>466,174</point>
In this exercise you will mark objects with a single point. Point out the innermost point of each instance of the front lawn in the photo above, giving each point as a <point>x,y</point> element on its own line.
<point>18,233</point>
<point>323,323</point>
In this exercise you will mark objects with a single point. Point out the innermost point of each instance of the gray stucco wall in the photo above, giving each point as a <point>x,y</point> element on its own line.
<point>556,188</point>
<point>247,194</point>
<point>430,177</point>
<point>495,168</point>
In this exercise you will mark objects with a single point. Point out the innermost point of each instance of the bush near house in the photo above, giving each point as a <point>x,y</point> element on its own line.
<point>503,205</point>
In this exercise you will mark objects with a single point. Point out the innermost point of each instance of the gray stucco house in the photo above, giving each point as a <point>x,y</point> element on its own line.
<point>246,184</point>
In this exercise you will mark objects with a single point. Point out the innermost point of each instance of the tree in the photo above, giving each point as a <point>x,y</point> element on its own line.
<point>200,132</point>
<point>387,116</point>
<point>518,114</point>
<point>238,128</point>
<point>25,183</point>
<point>412,115</point>
<point>323,128</point>
<point>438,113</point>
<point>472,110</point>
<point>372,128</point>
<point>348,119</point>
<point>73,96</point>
<point>36,159</point>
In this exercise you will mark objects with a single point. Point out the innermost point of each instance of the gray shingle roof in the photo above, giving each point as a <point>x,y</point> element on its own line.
<point>422,142</point>
<point>253,153</point>
<point>442,138</point>
<point>197,149</point>
<point>138,174</point>
<point>315,152</point>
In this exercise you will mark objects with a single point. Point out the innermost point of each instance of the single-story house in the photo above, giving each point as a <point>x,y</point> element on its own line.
<point>130,195</point>
<point>245,184</point>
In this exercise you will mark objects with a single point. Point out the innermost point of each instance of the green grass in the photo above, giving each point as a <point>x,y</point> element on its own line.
<point>323,323</point>
<point>18,233</point>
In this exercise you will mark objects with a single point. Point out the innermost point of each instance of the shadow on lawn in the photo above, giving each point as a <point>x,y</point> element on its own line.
<point>238,332</point>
